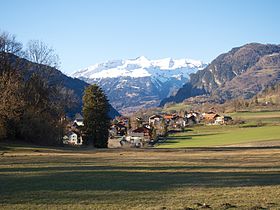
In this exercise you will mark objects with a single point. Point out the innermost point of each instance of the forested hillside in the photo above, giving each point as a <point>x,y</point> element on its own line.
<point>242,72</point>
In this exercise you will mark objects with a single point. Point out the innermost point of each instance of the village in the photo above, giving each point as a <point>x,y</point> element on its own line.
<point>145,131</point>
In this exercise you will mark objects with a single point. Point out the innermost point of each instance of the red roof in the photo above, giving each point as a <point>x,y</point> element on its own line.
<point>168,117</point>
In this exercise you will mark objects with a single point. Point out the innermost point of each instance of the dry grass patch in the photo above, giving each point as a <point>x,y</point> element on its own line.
<point>140,179</point>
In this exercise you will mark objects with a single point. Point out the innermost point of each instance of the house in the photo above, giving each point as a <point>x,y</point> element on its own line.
<point>155,119</point>
<point>144,133</point>
<point>210,117</point>
<point>134,141</point>
<point>170,118</point>
<point>221,120</point>
<point>181,122</point>
<point>118,129</point>
<point>192,118</point>
<point>138,137</point>
<point>79,121</point>
<point>72,138</point>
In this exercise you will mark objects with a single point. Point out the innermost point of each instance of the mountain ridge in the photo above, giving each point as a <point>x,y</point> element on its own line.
<point>138,83</point>
<point>220,78</point>
<point>129,67</point>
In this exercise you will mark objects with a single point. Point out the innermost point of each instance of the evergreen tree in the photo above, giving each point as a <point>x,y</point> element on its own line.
<point>96,120</point>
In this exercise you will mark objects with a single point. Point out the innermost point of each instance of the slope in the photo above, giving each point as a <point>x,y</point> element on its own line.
<point>242,72</point>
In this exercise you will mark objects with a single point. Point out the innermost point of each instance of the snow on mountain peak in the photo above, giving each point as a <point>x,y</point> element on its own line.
<point>141,67</point>
<point>141,58</point>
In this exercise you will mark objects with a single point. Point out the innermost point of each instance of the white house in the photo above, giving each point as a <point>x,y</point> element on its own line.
<point>72,138</point>
<point>79,120</point>
<point>155,119</point>
<point>221,120</point>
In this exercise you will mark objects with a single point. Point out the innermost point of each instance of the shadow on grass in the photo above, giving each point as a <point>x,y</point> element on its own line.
<point>131,169</point>
<point>179,137</point>
<point>169,141</point>
<point>103,178</point>
<point>176,139</point>
<point>192,135</point>
<point>3,148</point>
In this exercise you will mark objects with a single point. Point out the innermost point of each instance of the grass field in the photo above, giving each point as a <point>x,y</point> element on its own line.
<point>233,177</point>
<point>205,136</point>
<point>37,178</point>
<point>215,135</point>
<point>265,117</point>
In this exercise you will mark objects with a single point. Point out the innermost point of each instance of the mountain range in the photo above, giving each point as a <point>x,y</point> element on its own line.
<point>138,83</point>
<point>242,72</point>
<point>141,83</point>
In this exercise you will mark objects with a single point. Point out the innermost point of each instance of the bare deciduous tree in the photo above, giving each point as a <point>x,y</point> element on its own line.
<point>11,95</point>
<point>10,78</point>
<point>38,52</point>
<point>8,44</point>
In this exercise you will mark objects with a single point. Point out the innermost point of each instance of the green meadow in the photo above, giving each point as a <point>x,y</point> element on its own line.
<point>260,128</point>
<point>221,136</point>
<point>261,116</point>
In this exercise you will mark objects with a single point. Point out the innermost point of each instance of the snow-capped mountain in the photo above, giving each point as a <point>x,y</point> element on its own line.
<point>136,83</point>
<point>141,67</point>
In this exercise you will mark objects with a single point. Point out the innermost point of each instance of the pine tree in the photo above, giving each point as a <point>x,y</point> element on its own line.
<point>96,120</point>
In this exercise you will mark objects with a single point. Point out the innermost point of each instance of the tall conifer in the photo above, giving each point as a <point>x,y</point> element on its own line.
<point>96,120</point>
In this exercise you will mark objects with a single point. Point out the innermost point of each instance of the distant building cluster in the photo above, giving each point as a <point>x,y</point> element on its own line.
<point>145,131</point>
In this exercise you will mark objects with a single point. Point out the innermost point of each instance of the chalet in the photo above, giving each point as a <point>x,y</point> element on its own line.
<point>221,120</point>
<point>79,121</point>
<point>170,118</point>
<point>195,114</point>
<point>134,141</point>
<point>72,138</point>
<point>118,129</point>
<point>210,117</point>
<point>191,120</point>
<point>155,119</point>
<point>143,132</point>
<point>180,122</point>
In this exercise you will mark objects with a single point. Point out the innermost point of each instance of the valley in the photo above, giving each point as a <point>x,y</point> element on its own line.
<point>140,105</point>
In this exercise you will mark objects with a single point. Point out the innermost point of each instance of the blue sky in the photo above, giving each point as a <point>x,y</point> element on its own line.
<point>84,32</point>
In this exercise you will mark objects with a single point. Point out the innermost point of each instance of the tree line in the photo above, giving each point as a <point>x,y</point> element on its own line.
<point>27,109</point>
<point>31,108</point>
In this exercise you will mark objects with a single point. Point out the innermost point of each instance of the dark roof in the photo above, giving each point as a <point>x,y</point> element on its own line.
<point>120,125</point>
<point>141,130</point>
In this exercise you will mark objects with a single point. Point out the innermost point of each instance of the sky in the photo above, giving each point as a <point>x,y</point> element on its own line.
<point>85,32</point>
